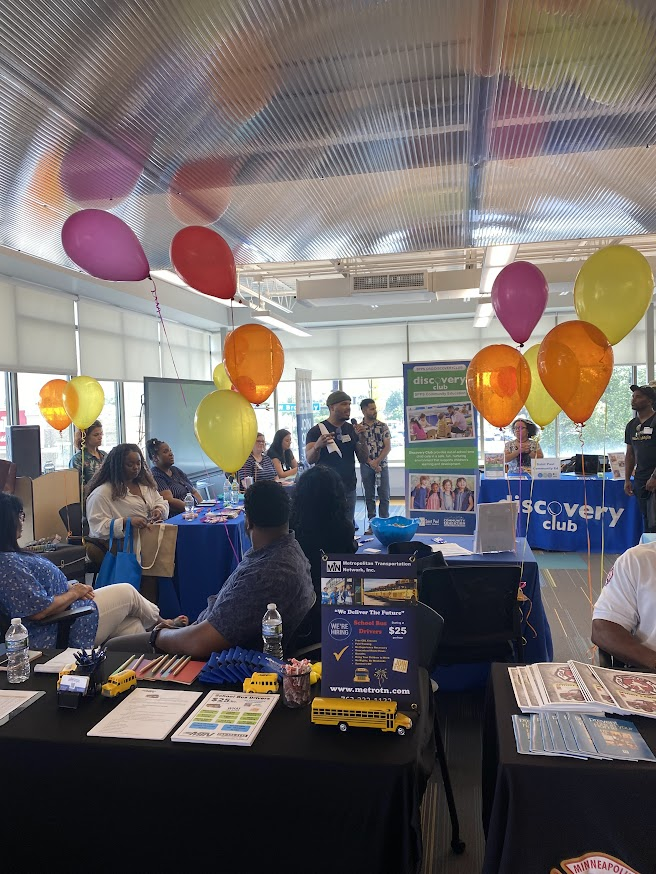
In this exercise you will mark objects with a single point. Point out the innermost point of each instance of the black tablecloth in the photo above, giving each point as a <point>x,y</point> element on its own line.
<point>544,809</point>
<point>307,797</point>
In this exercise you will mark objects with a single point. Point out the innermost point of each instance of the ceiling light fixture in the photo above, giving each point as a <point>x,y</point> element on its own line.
<point>174,279</point>
<point>496,258</point>
<point>278,322</point>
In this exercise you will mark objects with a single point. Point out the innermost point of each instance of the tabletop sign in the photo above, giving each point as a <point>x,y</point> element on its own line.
<point>545,468</point>
<point>495,467</point>
<point>369,645</point>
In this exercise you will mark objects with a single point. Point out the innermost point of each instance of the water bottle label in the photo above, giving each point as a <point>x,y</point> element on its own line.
<point>272,630</point>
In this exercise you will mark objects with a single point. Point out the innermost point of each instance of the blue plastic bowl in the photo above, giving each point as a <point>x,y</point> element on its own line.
<point>394,529</point>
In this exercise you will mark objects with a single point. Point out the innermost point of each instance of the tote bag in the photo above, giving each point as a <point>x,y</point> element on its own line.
<point>156,550</point>
<point>122,567</point>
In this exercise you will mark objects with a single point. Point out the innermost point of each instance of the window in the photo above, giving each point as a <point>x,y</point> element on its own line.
<point>55,448</point>
<point>605,428</point>
<point>388,394</point>
<point>133,413</point>
<point>108,416</point>
<point>3,414</point>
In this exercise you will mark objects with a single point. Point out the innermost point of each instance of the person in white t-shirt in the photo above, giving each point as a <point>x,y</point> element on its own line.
<point>624,617</point>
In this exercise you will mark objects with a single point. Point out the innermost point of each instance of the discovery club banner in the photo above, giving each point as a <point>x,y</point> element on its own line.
<point>441,453</point>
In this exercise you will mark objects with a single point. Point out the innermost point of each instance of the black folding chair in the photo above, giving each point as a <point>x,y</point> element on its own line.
<point>64,620</point>
<point>482,615</point>
<point>430,628</point>
<point>78,534</point>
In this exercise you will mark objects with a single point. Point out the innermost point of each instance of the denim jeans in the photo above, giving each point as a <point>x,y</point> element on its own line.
<point>351,498</point>
<point>368,475</point>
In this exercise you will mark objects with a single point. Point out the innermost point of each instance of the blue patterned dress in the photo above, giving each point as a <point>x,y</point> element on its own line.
<point>28,584</point>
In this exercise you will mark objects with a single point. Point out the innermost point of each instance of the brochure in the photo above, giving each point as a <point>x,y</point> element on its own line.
<point>617,464</point>
<point>12,701</point>
<point>583,688</point>
<point>234,718</point>
<point>146,714</point>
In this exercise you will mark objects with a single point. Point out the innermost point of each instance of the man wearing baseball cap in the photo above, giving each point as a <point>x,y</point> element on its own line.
<point>640,439</point>
<point>335,442</point>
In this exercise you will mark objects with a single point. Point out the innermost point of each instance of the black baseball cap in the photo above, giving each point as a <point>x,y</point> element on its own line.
<point>336,398</point>
<point>645,390</point>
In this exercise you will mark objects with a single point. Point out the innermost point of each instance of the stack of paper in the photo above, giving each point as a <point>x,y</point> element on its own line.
<point>579,736</point>
<point>12,701</point>
<point>450,548</point>
<point>584,688</point>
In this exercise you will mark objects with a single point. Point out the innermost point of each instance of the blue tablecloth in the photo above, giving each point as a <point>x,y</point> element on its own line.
<point>535,627</point>
<point>205,556</point>
<point>557,512</point>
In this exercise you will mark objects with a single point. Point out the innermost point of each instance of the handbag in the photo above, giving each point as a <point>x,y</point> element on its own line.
<point>123,567</point>
<point>156,550</point>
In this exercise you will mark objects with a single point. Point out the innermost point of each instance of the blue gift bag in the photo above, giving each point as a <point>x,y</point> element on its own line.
<point>123,567</point>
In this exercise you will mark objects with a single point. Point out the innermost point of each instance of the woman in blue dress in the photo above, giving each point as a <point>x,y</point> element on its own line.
<point>33,588</point>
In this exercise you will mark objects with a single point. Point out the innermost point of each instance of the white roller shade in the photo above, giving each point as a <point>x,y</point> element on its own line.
<point>189,349</point>
<point>116,344</point>
<point>37,330</point>
<point>356,352</point>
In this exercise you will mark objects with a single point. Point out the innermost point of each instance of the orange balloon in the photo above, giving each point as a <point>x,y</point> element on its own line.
<point>575,363</point>
<point>51,404</point>
<point>254,359</point>
<point>498,382</point>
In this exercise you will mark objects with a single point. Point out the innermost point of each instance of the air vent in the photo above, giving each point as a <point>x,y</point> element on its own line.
<point>390,282</point>
<point>369,283</point>
<point>406,280</point>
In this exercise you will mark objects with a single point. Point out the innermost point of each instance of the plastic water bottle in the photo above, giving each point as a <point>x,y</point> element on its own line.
<point>377,481</point>
<point>189,505</point>
<point>227,493</point>
<point>235,492</point>
<point>272,632</point>
<point>18,652</point>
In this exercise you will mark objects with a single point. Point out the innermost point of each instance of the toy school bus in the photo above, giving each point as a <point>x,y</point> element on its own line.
<point>359,714</point>
<point>119,683</point>
<point>264,684</point>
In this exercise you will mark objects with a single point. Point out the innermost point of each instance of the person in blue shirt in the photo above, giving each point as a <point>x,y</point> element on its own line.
<point>419,494</point>
<point>172,483</point>
<point>463,497</point>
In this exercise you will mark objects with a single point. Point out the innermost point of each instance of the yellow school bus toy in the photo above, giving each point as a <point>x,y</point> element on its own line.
<point>261,683</point>
<point>119,683</point>
<point>350,713</point>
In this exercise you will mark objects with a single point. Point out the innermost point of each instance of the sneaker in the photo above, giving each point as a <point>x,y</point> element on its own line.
<point>368,530</point>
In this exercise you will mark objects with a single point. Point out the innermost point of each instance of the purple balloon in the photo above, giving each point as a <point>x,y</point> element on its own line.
<point>104,246</point>
<point>519,297</point>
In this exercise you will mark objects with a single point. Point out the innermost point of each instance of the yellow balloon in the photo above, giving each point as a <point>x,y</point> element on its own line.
<point>83,400</point>
<point>613,290</point>
<point>221,378</point>
<point>226,428</point>
<point>541,407</point>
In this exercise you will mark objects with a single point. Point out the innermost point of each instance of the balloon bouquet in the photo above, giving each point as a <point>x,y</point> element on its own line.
<point>225,424</point>
<point>571,367</point>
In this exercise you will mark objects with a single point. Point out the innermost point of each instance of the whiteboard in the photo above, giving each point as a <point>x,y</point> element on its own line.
<point>170,417</point>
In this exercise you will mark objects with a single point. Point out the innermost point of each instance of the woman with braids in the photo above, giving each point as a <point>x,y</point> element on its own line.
<point>172,483</point>
<point>320,525</point>
<point>123,489</point>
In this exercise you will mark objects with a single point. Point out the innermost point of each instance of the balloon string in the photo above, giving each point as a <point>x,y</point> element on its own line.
<point>579,430</point>
<point>603,503</point>
<point>83,442</point>
<point>153,291</point>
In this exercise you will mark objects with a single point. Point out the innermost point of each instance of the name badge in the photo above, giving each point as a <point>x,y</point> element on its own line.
<point>346,438</point>
<point>647,430</point>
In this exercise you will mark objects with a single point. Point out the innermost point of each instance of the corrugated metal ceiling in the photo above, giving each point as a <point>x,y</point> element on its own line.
<point>328,129</point>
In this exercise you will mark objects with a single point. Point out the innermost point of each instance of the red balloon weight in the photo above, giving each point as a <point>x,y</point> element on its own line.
<point>203,259</point>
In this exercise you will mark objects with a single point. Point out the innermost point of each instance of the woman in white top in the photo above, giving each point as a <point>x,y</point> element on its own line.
<point>123,488</point>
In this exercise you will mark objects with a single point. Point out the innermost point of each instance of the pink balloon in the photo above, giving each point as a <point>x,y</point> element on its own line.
<point>103,245</point>
<point>519,297</point>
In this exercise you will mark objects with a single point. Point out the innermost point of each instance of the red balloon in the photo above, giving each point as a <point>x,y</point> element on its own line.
<point>203,259</point>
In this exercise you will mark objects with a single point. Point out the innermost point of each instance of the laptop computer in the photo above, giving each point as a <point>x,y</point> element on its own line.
<point>587,465</point>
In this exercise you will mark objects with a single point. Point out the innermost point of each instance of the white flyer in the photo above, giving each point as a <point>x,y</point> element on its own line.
<point>146,714</point>
<point>227,718</point>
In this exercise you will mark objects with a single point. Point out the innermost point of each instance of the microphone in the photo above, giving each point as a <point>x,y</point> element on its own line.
<point>354,422</point>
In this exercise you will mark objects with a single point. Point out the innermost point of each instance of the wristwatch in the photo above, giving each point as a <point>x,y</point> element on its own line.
<point>152,640</point>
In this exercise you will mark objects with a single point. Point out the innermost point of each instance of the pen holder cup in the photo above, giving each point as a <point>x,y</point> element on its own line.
<point>296,689</point>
